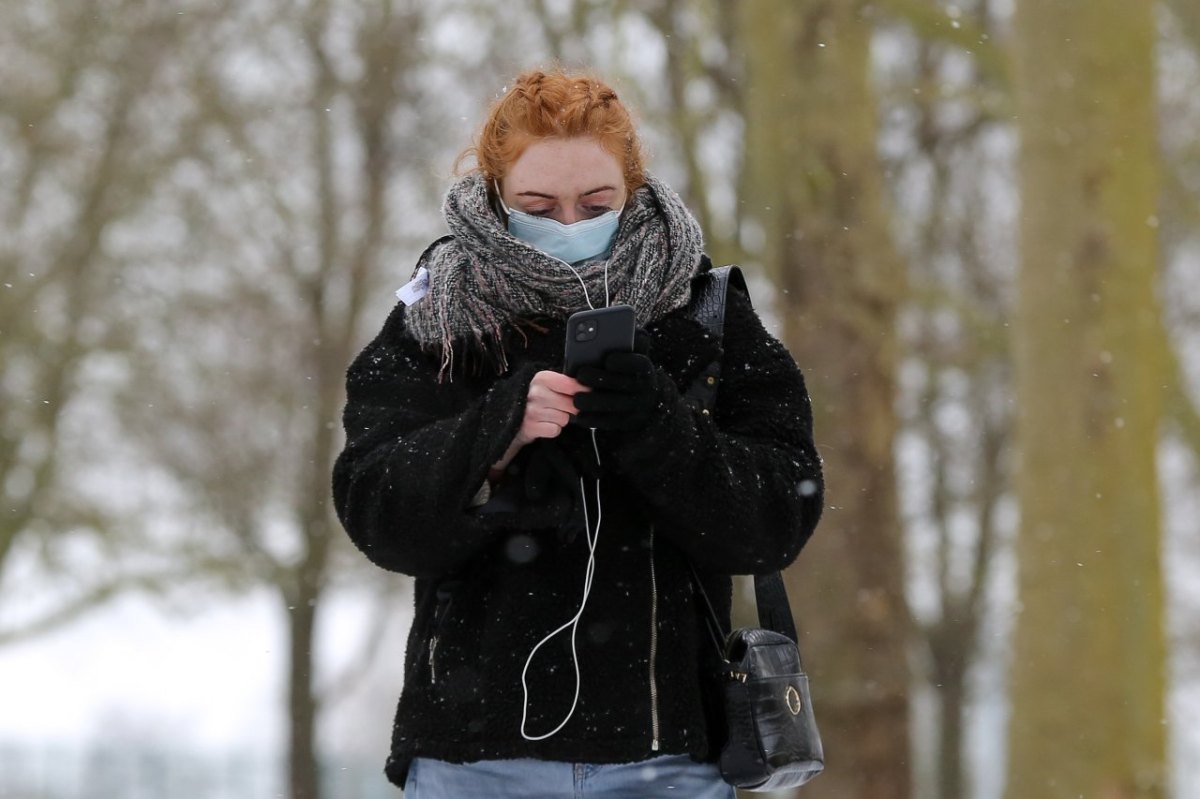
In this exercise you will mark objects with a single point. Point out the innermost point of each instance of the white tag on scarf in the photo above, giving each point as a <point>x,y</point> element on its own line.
<point>414,289</point>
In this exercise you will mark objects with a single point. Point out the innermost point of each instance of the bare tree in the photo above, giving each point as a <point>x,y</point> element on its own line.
<point>956,420</point>
<point>312,137</point>
<point>816,193</point>
<point>1089,372</point>
<point>89,132</point>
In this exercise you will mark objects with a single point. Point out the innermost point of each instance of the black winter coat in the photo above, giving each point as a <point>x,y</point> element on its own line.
<point>738,491</point>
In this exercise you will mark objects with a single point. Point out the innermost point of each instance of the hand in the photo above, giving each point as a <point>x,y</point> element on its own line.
<point>624,393</point>
<point>549,406</point>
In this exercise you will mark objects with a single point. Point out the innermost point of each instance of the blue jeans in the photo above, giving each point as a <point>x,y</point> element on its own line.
<point>666,776</point>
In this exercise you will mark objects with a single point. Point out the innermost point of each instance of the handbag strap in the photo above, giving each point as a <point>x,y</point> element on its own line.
<point>708,308</point>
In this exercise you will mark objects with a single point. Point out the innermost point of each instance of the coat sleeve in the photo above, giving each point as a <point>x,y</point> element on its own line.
<point>417,450</point>
<point>740,491</point>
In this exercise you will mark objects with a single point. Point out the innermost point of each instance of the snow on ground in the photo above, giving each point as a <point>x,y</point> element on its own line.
<point>206,682</point>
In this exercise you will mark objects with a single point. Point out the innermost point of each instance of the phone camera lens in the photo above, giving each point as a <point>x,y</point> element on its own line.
<point>586,331</point>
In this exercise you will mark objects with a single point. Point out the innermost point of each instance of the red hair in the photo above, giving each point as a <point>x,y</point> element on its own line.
<point>557,104</point>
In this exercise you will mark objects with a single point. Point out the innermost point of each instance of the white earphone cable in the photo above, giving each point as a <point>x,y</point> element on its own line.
<point>593,536</point>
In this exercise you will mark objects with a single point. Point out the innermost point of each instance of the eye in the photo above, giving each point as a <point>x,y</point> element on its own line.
<point>539,211</point>
<point>597,210</point>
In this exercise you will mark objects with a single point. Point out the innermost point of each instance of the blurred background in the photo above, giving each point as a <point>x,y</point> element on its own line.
<point>976,225</point>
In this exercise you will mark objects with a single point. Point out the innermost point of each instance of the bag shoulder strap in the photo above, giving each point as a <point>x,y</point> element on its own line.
<point>708,308</point>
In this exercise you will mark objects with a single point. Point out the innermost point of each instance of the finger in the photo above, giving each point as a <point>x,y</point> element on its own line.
<point>556,382</point>
<point>559,404</point>
<point>542,397</point>
<point>552,415</point>
<point>536,430</point>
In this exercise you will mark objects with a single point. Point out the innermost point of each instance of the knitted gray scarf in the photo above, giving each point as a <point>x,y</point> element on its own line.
<point>482,278</point>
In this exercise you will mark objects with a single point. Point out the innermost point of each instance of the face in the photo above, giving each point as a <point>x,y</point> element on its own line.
<point>567,180</point>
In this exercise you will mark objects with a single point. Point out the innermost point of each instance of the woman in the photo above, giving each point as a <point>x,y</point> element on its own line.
<point>557,644</point>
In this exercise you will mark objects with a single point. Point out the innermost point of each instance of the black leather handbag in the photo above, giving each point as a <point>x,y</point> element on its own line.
<point>772,741</point>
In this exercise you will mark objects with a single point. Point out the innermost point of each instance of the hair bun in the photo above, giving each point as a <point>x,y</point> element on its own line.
<point>557,104</point>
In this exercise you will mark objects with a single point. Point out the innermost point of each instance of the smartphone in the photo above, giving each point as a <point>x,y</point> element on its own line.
<point>591,335</point>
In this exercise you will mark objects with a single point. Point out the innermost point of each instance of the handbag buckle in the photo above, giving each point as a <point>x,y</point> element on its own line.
<point>794,703</point>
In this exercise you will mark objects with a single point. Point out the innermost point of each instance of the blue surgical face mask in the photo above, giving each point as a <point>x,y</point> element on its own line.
<point>584,240</point>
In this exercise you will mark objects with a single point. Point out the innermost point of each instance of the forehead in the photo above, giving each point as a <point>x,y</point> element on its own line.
<point>564,166</point>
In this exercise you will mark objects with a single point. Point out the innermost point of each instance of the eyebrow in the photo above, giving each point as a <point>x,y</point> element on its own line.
<point>552,197</point>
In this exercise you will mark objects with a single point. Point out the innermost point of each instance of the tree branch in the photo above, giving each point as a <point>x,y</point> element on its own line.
<point>1187,14</point>
<point>1179,405</point>
<point>352,675</point>
<point>932,24</point>
<point>155,582</point>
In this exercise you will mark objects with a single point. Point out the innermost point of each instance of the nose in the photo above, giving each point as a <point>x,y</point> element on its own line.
<point>567,216</point>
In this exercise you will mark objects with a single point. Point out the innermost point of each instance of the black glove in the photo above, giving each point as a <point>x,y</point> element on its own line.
<point>624,392</point>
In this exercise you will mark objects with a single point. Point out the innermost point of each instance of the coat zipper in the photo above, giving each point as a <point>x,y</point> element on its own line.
<point>445,596</point>
<point>654,731</point>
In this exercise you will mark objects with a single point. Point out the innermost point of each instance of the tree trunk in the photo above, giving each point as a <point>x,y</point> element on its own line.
<point>951,690</point>
<point>816,189</point>
<point>303,595</point>
<point>303,771</point>
<point>1089,653</point>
